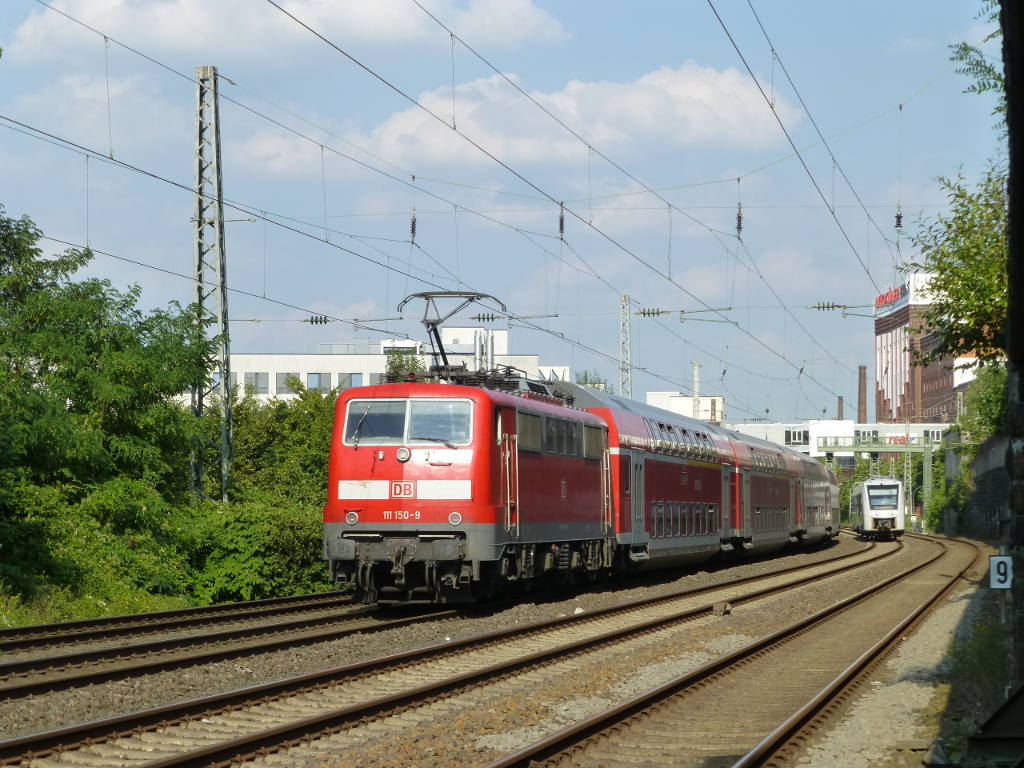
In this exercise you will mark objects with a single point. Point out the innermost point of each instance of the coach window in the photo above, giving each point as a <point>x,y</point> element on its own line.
<point>688,439</point>
<point>652,429</point>
<point>528,427</point>
<point>593,441</point>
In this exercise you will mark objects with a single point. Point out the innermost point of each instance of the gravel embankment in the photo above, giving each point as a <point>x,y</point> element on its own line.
<point>52,710</point>
<point>900,709</point>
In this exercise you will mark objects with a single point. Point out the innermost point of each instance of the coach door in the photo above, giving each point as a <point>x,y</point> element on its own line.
<point>508,443</point>
<point>637,487</point>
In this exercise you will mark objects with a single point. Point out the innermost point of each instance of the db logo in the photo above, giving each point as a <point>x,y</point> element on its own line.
<point>401,490</point>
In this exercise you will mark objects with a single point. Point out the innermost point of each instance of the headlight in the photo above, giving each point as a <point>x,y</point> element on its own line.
<point>351,518</point>
<point>454,518</point>
<point>403,454</point>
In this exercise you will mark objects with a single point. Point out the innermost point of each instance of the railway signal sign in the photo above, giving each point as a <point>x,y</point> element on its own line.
<point>1000,572</point>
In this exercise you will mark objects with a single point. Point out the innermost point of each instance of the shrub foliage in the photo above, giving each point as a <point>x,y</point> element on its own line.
<point>96,516</point>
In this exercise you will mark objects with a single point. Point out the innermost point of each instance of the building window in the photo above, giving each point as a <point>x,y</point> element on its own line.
<point>346,380</point>
<point>320,382</point>
<point>257,383</point>
<point>376,378</point>
<point>282,383</point>
<point>796,437</point>
<point>232,381</point>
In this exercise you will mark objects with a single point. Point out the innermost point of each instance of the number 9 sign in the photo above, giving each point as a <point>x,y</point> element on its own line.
<point>1000,572</point>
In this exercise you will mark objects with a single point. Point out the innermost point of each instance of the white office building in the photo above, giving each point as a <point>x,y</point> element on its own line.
<point>359,363</point>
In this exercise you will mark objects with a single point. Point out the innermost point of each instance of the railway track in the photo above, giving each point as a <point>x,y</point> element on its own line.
<point>14,639</point>
<point>37,674</point>
<point>265,717</point>
<point>692,720</point>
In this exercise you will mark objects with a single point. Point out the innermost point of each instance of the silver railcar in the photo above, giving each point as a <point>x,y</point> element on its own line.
<point>877,508</point>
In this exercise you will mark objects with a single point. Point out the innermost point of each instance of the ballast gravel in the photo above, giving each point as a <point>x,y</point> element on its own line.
<point>897,704</point>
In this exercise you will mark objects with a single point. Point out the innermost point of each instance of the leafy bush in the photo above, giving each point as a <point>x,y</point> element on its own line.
<point>262,547</point>
<point>96,514</point>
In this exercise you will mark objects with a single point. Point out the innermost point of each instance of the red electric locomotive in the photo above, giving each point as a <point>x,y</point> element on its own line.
<point>446,492</point>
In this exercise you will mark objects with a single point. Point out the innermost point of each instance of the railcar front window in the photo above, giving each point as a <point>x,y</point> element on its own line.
<point>883,496</point>
<point>439,421</point>
<point>375,422</point>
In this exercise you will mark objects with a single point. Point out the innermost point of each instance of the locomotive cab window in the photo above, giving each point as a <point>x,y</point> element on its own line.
<point>414,421</point>
<point>439,421</point>
<point>375,422</point>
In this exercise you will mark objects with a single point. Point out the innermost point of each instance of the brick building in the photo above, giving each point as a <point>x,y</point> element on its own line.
<point>905,392</point>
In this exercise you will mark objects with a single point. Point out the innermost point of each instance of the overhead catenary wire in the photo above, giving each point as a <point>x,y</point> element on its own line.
<point>821,136</point>
<point>528,182</point>
<point>69,145</point>
<point>191,278</point>
<point>593,150</point>
<point>449,182</point>
<point>792,144</point>
<point>525,233</point>
<point>271,217</point>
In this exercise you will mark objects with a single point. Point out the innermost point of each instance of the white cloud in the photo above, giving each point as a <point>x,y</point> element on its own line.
<point>253,29</point>
<point>686,106</point>
<point>122,114</point>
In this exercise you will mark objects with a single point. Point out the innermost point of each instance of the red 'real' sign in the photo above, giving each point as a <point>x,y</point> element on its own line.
<point>891,296</point>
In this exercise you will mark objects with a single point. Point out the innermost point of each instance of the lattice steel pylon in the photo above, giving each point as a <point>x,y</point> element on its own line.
<point>210,273</point>
<point>625,349</point>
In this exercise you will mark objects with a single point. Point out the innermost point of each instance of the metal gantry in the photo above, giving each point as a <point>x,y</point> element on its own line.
<point>873,446</point>
<point>625,349</point>
<point>210,273</point>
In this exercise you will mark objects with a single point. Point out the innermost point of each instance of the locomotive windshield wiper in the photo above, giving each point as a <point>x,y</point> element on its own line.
<point>359,426</point>
<point>449,443</point>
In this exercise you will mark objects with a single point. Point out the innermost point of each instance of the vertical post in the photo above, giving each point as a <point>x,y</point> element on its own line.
<point>696,389</point>
<point>1012,541</point>
<point>210,271</point>
<point>625,349</point>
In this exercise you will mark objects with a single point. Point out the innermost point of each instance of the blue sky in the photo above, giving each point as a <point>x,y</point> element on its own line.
<point>655,87</point>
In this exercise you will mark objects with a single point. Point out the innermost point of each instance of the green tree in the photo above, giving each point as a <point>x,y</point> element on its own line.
<point>90,382</point>
<point>400,364</point>
<point>593,380</point>
<point>984,412</point>
<point>88,412</point>
<point>965,252</point>
<point>986,75</point>
<point>282,446</point>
